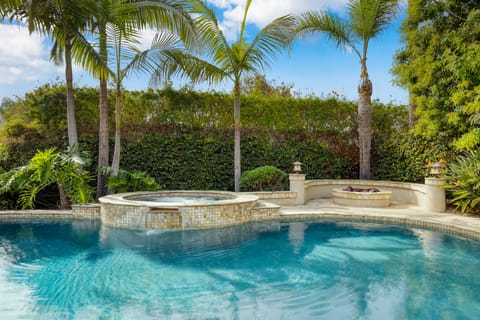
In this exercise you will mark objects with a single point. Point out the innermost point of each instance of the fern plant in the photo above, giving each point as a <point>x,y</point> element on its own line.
<point>463,179</point>
<point>46,168</point>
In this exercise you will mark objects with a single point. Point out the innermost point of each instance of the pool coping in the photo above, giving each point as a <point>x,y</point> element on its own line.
<point>325,209</point>
<point>396,214</point>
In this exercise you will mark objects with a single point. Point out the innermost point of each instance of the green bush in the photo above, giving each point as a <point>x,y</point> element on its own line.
<point>266,178</point>
<point>127,181</point>
<point>463,177</point>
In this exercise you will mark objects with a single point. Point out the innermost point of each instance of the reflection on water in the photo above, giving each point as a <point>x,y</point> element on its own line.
<point>296,235</point>
<point>268,270</point>
<point>185,242</point>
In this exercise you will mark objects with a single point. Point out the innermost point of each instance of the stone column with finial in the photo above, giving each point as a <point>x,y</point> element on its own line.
<point>436,191</point>
<point>297,183</point>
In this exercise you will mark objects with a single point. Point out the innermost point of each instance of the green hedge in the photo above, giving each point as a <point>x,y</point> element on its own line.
<point>184,139</point>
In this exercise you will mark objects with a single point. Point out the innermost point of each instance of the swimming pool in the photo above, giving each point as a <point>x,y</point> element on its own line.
<point>270,270</point>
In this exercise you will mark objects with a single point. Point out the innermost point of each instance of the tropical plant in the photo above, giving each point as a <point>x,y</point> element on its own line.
<point>367,19</point>
<point>463,177</point>
<point>129,181</point>
<point>45,169</point>
<point>222,60</point>
<point>266,178</point>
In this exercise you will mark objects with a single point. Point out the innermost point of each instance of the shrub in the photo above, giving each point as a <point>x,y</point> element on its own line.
<point>266,178</point>
<point>127,181</point>
<point>463,179</point>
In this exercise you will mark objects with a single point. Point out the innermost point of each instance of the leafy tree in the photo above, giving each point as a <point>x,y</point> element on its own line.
<point>367,18</point>
<point>439,65</point>
<point>223,60</point>
<point>257,84</point>
<point>48,168</point>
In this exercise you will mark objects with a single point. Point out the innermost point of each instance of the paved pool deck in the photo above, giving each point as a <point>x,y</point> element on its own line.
<point>396,213</point>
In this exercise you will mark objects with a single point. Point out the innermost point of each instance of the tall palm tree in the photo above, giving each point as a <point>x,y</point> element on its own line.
<point>114,22</point>
<point>366,19</point>
<point>128,58</point>
<point>64,21</point>
<point>222,60</point>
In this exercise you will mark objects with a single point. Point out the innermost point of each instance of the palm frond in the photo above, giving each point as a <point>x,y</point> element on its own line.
<point>370,17</point>
<point>269,41</point>
<point>56,53</point>
<point>214,45</point>
<point>147,60</point>
<point>187,66</point>
<point>88,58</point>
<point>244,20</point>
<point>169,15</point>
<point>14,9</point>
<point>335,28</point>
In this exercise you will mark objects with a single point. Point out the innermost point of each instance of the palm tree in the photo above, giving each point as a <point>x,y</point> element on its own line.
<point>117,24</point>
<point>223,60</point>
<point>367,18</point>
<point>64,21</point>
<point>128,58</point>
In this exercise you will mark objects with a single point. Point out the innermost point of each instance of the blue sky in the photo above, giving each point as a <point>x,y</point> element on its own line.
<point>314,66</point>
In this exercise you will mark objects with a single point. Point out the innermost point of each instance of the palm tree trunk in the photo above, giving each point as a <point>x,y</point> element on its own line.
<point>64,201</point>
<point>103,121</point>
<point>237,127</point>
<point>364,122</point>
<point>116,150</point>
<point>71,124</point>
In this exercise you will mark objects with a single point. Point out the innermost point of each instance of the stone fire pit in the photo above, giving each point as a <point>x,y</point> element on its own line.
<point>362,197</point>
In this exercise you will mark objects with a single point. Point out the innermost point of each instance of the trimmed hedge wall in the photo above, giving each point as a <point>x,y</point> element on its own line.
<point>185,139</point>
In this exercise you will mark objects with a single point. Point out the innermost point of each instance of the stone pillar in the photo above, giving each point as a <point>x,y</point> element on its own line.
<point>297,184</point>
<point>436,195</point>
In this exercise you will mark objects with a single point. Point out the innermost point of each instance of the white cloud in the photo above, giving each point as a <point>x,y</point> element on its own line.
<point>263,12</point>
<point>146,39</point>
<point>23,57</point>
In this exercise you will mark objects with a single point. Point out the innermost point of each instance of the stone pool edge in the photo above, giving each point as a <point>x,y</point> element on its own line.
<point>467,226</point>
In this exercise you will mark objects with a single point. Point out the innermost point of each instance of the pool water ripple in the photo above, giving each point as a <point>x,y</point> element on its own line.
<point>278,270</point>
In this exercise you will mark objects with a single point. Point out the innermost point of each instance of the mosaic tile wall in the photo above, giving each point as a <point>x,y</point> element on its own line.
<point>25,215</point>
<point>86,211</point>
<point>188,217</point>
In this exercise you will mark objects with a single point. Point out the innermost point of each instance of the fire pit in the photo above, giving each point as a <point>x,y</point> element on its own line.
<point>362,197</point>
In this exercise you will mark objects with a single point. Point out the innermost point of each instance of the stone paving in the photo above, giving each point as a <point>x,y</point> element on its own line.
<point>396,213</point>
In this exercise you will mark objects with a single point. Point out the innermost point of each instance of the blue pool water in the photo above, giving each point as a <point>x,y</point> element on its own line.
<point>275,270</point>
